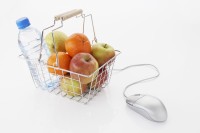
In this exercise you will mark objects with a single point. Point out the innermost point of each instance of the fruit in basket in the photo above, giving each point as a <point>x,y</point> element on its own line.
<point>102,52</point>
<point>59,39</point>
<point>100,79</point>
<point>85,64</point>
<point>77,43</point>
<point>72,87</point>
<point>64,62</point>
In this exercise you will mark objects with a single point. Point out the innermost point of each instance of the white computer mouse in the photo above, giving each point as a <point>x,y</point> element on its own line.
<point>148,106</point>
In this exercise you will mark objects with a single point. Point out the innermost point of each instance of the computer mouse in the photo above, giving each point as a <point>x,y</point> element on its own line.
<point>148,106</point>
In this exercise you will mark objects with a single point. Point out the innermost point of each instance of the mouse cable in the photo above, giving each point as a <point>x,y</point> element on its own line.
<point>142,80</point>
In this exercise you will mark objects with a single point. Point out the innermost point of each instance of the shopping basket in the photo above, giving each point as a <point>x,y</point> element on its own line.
<point>53,82</point>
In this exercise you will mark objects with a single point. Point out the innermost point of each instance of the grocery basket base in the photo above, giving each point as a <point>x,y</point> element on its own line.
<point>84,98</point>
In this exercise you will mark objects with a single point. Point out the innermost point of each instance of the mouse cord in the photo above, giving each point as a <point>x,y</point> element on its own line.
<point>142,80</point>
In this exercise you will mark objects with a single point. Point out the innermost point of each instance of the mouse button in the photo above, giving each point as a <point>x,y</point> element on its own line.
<point>128,101</point>
<point>148,101</point>
<point>133,98</point>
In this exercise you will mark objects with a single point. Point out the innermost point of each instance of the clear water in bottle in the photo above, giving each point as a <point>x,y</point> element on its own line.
<point>29,41</point>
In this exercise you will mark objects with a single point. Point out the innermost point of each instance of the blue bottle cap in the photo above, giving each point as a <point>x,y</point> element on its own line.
<point>22,23</point>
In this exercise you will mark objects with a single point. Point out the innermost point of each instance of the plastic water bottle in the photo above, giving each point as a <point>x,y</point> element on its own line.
<point>29,40</point>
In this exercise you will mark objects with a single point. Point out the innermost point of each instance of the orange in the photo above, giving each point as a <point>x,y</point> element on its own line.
<point>77,43</point>
<point>64,61</point>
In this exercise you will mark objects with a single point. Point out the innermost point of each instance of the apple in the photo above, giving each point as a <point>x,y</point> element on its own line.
<point>100,79</point>
<point>72,87</point>
<point>102,52</point>
<point>59,39</point>
<point>85,64</point>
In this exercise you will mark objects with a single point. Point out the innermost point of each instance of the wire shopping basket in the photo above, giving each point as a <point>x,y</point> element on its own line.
<point>68,83</point>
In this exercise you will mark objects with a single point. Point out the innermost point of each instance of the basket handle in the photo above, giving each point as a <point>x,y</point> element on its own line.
<point>69,14</point>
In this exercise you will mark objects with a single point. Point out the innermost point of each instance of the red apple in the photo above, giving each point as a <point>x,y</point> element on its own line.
<point>85,64</point>
<point>100,79</point>
<point>102,52</point>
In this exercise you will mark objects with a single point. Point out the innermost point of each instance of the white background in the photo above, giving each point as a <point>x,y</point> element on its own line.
<point>164,33</point>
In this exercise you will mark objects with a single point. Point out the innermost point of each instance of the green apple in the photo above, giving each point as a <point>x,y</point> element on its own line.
<point>59,39</point>
<point>72,87</point>
<point>102,52</point>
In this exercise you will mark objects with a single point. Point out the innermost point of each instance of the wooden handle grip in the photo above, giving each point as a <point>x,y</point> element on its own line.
<point>68,14</point>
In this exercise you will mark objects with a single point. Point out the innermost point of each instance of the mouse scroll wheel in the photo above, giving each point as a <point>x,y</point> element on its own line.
<point>137,94</point>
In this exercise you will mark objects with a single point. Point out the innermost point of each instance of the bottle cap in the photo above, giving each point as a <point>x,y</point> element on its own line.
<point>22,23</point>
